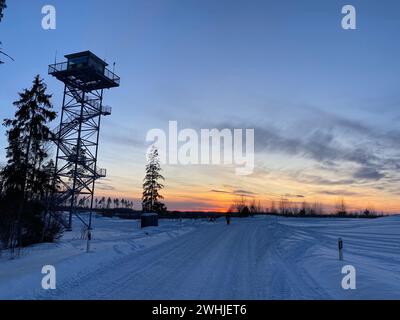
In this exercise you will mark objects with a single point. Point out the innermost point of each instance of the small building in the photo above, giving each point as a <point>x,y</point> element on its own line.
<point>149,220</point>
<point>86,59</point>
<point>86,70</point>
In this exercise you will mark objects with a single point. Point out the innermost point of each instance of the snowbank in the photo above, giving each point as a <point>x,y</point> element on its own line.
<point>113,238</point>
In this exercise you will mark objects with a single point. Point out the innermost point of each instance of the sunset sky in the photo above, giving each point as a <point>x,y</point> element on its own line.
<point>324,102</point>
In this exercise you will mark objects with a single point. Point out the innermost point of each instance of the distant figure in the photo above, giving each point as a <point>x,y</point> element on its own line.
<point>228,218</point>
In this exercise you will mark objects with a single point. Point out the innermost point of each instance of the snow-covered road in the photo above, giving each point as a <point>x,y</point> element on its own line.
<point>255,258</point>
<point>213,262</point>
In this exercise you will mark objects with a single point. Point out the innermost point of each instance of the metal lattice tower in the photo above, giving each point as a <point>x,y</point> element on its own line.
<point>77,137</point>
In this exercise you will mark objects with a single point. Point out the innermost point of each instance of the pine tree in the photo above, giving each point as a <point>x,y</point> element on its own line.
<point>1,181</point>
<point>45,178</point>
<point>28,134</point>
<point>81,202</point>
<point>152,186</point>
<point>102,202</point>
<point>26,176</point>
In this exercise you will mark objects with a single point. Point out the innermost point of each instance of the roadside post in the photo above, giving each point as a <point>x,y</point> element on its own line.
<point>89,237</point>
<point>340,243</point>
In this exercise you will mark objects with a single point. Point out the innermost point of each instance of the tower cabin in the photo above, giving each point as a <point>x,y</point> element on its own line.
<point>86,71</point>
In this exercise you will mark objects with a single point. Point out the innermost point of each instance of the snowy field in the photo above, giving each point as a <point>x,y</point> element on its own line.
<point>254,258</point>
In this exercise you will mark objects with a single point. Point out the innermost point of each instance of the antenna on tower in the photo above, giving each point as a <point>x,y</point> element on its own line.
<point>55,57</point>
<point>114,67</point>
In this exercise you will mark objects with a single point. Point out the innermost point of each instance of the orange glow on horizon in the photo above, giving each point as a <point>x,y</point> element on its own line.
<point>215,189</point>
<point>207,201</point>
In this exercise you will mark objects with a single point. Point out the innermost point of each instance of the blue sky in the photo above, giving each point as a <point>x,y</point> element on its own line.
<point>324,101</point>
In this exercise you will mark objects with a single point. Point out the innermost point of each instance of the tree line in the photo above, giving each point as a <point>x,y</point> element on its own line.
<point>106,203</point>
<point>284,207</point>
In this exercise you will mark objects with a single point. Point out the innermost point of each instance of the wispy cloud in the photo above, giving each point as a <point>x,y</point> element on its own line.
<point>333,142</point>
<point>288,195</point>
<point>104,186</point>
<point>339,193</point>
<point>220,191</point>
<point>238,192</point>
<point>368,173</point>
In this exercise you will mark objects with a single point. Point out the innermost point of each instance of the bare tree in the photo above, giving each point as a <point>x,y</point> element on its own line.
<point>303,209</point>
<point>2,7</point>
<point>240,207</point>
<point>272,209</point>
<point>318,208</point>
<point>255,207</point>
<point>341,207</point>
<point>284,206</point>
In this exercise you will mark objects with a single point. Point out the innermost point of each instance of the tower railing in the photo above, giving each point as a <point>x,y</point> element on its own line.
<point>64,66</point>
<point>57,67</point>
